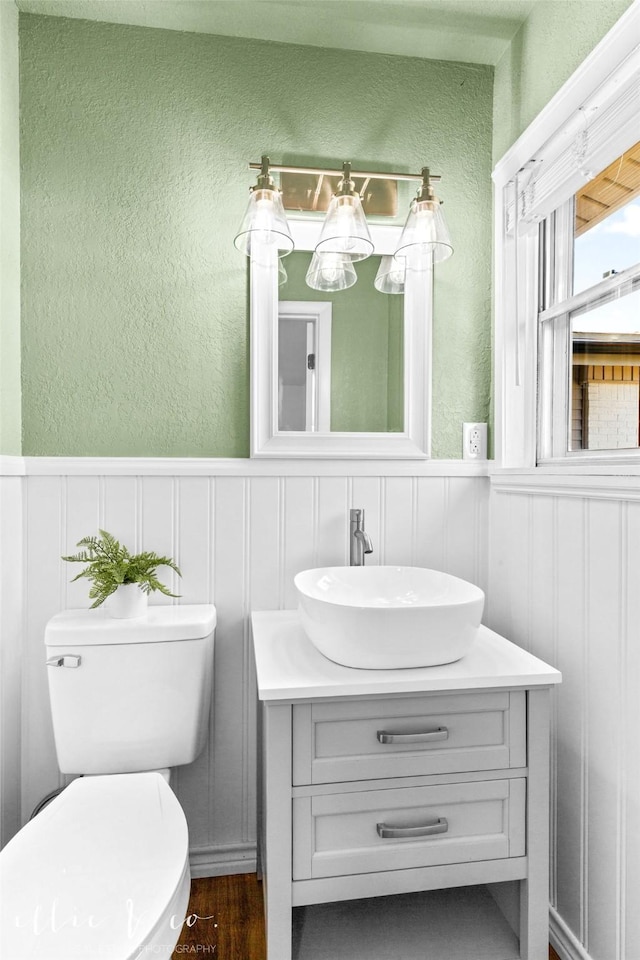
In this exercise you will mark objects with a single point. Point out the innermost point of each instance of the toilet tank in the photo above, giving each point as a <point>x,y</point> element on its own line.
<point>130,695</point>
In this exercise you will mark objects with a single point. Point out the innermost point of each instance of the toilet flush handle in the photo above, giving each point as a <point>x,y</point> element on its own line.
<point>71,660</point>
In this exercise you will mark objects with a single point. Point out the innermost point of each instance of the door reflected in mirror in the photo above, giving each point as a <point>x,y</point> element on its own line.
<point>304,365</point>
<point>340,354</point>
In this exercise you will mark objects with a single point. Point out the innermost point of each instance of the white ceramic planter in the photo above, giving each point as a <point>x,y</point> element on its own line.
<point>127,602</point>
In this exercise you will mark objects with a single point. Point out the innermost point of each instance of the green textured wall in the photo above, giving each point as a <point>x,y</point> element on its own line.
<point>365,374</point>
<point>135,144</point>
<point>10,400</point>
<point>554,40</point>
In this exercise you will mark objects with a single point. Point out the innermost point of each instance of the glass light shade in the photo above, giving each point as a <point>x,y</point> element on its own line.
<point>390,275</point>
<point>282,273</point>
<point>345,229</point>
<point>330,271</point>
<point>425,231</point>
<point>264,227</point>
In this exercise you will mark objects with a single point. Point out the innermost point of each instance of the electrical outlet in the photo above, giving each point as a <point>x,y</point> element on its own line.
<point>474,441</point>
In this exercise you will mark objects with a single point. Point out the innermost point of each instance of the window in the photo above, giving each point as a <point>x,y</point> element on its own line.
<point>589,317</point>
<point>567,278</point>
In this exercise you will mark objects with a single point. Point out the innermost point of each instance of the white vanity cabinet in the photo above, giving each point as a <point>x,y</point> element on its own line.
<point>379,783</point>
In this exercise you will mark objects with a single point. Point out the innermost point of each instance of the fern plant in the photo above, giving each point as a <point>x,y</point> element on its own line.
<point>109,565</point>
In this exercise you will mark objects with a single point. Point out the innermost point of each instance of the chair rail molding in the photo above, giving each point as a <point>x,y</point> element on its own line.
<point>241,467</point>
<point>583,486</point>
<point>12,466</point>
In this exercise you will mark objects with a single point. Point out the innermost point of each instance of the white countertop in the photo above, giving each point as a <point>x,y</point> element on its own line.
<point>289,667</point>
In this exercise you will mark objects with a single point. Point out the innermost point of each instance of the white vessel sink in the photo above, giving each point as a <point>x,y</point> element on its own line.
<point>387,617</point>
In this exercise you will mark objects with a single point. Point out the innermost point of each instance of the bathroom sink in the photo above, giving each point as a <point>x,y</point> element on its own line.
<point>388,617</point>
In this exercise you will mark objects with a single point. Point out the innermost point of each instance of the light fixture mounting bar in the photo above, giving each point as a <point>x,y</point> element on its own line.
<point>409,177</point>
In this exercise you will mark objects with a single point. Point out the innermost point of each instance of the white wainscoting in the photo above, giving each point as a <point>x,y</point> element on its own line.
<point>564,583</point>
<point>11,618</point>
<point>563,580</point>
<point>239,534</point>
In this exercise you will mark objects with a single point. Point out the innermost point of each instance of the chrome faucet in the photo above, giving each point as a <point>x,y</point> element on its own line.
<point>359,540</point>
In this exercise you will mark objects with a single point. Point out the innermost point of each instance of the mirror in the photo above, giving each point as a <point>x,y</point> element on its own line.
<point>344,374</point>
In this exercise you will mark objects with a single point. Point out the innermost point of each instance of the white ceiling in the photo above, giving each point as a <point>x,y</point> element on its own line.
<point>472,31</point>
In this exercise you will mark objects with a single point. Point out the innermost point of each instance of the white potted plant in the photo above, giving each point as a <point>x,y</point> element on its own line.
<point>114,572</point>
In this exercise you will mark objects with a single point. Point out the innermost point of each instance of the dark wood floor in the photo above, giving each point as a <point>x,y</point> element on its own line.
<point>235,930</point>
<point>230,921</point>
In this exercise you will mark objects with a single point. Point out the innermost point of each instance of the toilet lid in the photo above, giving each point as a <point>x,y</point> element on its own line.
<point>94,872</point>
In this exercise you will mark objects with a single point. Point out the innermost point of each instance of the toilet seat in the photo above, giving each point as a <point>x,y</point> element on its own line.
<point>102,873</point>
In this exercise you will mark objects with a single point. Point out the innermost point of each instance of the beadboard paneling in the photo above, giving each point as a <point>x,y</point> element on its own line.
<point>239,540</point>
<point>11,612</point>
<point>45,592</point>
<point>564,582</point>
<point>571,659</point>
<point>630,765</point>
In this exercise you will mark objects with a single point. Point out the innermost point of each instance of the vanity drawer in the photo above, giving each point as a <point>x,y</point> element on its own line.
<point>349,833</point>
<point>336,742</point>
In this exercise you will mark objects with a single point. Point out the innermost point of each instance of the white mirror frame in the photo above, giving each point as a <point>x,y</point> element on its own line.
<point>414,442</point>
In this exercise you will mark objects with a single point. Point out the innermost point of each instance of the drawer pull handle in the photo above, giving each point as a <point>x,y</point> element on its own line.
<point>426,736</point>
<point>441,825</point>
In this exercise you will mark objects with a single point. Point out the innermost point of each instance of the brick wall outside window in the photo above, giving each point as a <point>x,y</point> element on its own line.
<point>610,414</point>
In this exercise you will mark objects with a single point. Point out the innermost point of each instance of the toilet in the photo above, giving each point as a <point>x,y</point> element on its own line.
<point>102,872</point>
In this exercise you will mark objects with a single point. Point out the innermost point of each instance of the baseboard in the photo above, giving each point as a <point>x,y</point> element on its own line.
<point>563,941</point>
<point>223,860</point>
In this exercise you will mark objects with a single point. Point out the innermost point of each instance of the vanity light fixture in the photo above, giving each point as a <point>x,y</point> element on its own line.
<point>264,227</point>
<point>390,275</point>
<point>345,237</point>
<point>330,272</point>
<point>345,231</point>
<point>425,231</point>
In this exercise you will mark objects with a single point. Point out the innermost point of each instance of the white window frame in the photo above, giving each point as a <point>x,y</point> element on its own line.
<point>555,354</point>
<point>524,419</point>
